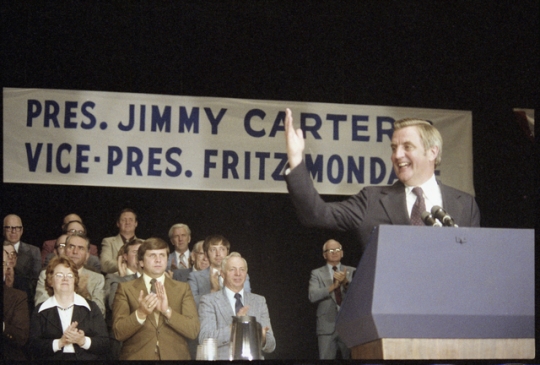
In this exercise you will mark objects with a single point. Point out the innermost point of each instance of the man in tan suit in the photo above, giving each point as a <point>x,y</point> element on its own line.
<point>154,315</point>
<point>126,223</point>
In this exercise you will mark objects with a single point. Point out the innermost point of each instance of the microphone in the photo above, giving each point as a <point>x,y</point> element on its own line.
<point>444,217</point>
<point>429,220</point>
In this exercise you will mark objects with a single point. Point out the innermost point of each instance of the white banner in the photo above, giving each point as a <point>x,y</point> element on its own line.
<point>73,137</point>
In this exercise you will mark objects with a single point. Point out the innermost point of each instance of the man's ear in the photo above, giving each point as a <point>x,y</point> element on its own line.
<point>433,153</point>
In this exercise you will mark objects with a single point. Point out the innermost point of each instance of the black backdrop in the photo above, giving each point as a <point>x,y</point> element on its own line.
<point>480,56</point>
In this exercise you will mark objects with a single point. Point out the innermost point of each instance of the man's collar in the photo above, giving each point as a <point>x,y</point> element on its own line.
<point>16,246</point>
<point>230,293</point>
<point>147,278</point>
<point>430,184</point>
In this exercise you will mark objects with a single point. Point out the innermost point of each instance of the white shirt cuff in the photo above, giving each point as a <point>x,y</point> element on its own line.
<point>87,343</point>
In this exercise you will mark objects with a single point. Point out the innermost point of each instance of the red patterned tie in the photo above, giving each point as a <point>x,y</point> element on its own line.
<point>337,291</point>
<point>419,207</point>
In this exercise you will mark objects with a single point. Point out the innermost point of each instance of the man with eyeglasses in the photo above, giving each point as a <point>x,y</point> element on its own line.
<point>50,245</point>
<point>216,248</point>
<point>198,261</point>
<point>328,287</point>
<point>93,263</point>
<point>28,256</point>
<point>91,284</point>
<point>59,249</point>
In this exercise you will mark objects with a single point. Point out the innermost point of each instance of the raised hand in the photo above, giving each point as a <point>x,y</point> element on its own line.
<point>163,301</point>
<point>147,304</point>
<point>294,140</point>
<point>243,311</point>
<point>214,282</point>
<point>122,266</point>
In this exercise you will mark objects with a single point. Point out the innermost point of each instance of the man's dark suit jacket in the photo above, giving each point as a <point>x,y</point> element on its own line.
<point>371,207</point>
<point>17,324</point>
<point>28,260</point>
<point>45,327</point>
<point>28,264</point>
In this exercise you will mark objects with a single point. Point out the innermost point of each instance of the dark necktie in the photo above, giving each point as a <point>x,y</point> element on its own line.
<point>153,286</point>
<point>337,291</point>
<point>419,207</point>
<point>238,305</point>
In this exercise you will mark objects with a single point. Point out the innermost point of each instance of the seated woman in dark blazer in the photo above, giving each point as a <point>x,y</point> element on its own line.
<point>67,326</point>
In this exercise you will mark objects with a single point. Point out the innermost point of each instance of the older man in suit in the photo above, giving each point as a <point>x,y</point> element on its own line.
<point>416,151</point>
<point>154,315</point>
<point>126,223</point>
<point>49,246</point>
<point>180,236</point>
<point>327,288</point>
<point>198,262</point>
<point>91,284</point>
<point>217,309</point>
<point>28,256</point>
<point>215,247</point>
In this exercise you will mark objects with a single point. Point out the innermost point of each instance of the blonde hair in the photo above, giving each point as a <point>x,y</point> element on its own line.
<point>232,254</point>
<point>429,135</point>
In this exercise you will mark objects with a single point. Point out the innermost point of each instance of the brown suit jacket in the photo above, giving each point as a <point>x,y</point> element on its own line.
<point>140,341</point>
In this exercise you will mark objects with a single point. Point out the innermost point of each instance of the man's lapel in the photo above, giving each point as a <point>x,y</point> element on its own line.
<point>139,285</point>
<point>224,306</point>
<point>451,203</point>
<point>395,204</point>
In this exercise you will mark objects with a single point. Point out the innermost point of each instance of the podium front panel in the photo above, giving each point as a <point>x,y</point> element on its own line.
<point>430,282</point>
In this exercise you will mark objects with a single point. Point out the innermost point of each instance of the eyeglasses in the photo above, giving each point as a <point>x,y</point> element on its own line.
<point>75,231</point>
<point>60,275</point>
<point>11,254</point>
<point>199,253</point>
<point>333,250</point>
<point>61,245</point>
<point>13,228</point>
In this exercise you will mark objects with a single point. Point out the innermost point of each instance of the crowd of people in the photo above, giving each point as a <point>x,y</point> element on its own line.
<point>137,300</point>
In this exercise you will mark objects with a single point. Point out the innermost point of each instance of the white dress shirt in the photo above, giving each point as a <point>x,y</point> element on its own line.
<point>432,195</point>
<point>232,300</point>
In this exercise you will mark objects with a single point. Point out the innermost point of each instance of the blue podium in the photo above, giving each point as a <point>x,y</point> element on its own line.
<point>442,293</point>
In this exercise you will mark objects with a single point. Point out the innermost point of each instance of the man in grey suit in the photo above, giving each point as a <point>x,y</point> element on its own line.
<point>216,247</point>
<point>91,284</point>
<point>416,151</point>
<point>198,261</point>
<point>28,256</point>
<point>217,309</point>
<point>328,287</point>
